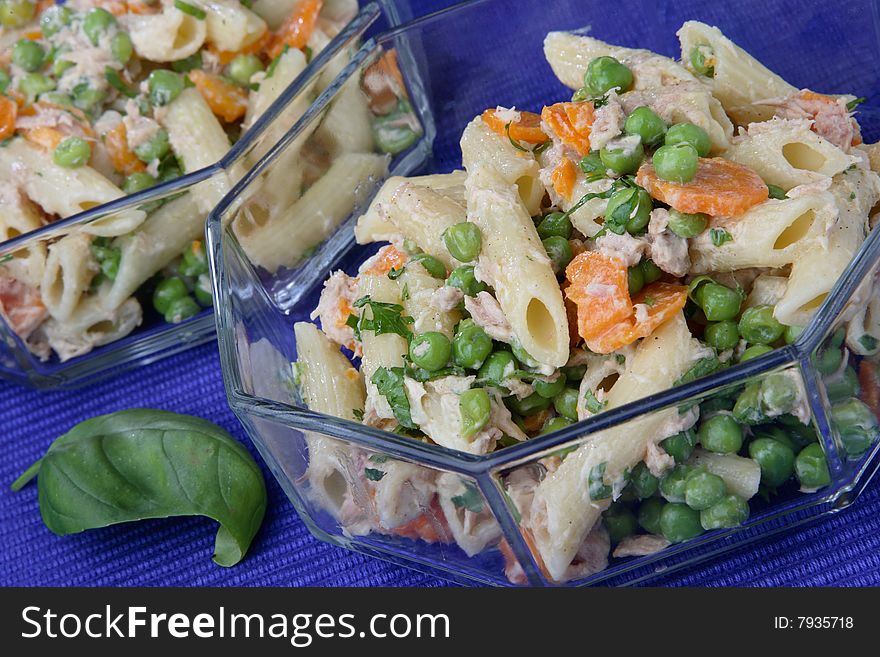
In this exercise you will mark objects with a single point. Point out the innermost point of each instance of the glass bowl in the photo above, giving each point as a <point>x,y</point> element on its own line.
<point>154,339</point>
<point>470,526</point>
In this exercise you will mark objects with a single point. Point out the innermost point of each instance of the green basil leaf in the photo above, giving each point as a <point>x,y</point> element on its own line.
<point>143,463</point>
<point>389,383</point>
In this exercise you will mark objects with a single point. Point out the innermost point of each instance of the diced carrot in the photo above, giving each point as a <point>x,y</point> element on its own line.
<point>869,383</point>
<point>140,7</point>
<point>430,527</point>
<point>599,288</point>
<point>121,156</point>
<point>720,188</point>
<point>33,35</point>
<point>527,129</point>
<point>227,101</point>
<point>571,123</point>
<point>297,27</point>
<point>389,258</point>
<point>253,48</point>
<point>662,301</point>
<point>382,83</point>
<point>43,5</point>
<point>563,177</point>
<point>8,114</point>
<point>512,568</point>
<point>44,136</point>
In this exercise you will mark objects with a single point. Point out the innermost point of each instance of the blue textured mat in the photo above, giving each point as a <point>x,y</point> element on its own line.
<point>839,550</point>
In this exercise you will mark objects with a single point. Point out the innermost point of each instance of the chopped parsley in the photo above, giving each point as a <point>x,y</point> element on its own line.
<point>513,141</point>
<point>620,358</point>
<point>869,342</point>
<point>540,148</point>
<point>701,368</point>
<point>719,236</point>
<point>358,414</point>
<point>373,474</point>
<point>379,458</point>
<point>598,489</point>
<point>855,102</point>
<point>775,191</point>
<point>387,318</point>
<point>6,258</point>
<point>389,382</point>
<point>592,402</point>
<point>470,499</point>
<point>601,101</point>
<point>649,301</point>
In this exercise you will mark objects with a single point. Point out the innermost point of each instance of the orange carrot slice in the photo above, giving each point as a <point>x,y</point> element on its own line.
<point>598,286</point>
<point>662,302</point>
<point>721,187</point>
<point>227,101</point>
<point>8,114</point>
<point>430,527</point>
<point>121,156</point>
<point>563,177</point>
<point>527,129</point>
<point>22,306</point>
<point>389,258</point>
<point>382,83</point>
<point>44,136</point>
<point>571,124</point>
<point>297,27</point>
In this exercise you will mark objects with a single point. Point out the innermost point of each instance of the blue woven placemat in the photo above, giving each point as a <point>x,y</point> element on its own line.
<point>839,550</point>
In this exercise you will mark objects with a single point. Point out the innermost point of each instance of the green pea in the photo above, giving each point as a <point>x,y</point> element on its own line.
<point>138,182</point>
<point>650,271</point>
<point>842,387</point>
<point>800,434</point>
<point>703,60</point>
<point>28,55</point>
<point>194,262</point>
<point>121,47</point>
<point>475,408</point>
<point>747,409</point>
<point>677,162</point>
<point>679,522</point>
<point>722,335</point>
<point>464,279</point>
<point>574,373</point>
<point>555,424</point>
<point>646,124</point>
<point>688,133</point>
<point>54,18</point>
<point>87,98</point>
<point>565,403</point>
<point>606,73</point>
<point>430,351</point>
<point>168,290</point>
<point>776,460</point>
<point>644,484</point>
<point>635,279</point>
<point>243,67</point>
<point>649,515</point>
<point>730,511</point>
<point>721,434</point>
<point>622,155</point>
<point>831,355</point>
<point>16,13</point>
<point>524,357</point>
<point>203,291</point>
<point>72,152</point>
<point>559,251</point>
<point>499,366</point>
<point>555,224</point>
<point>792,333</point>
<point>59,66</point>
<point>811,467</point>
<point>754,351</point>
<point>549,389</point>
<point>592,164</point>
<point>717,403</point>
<point>530,405</point>
<point>470,345</point>
<point>57,98</point>
<point>97,22</point>
<point>4,80</point>
<point>856,424</point>
<point>181,309</point>
<point>779,393</point>
<point>758,326</point>
<point>619,521</point>
<point>110,264</point>
<point>431,264</point>
<point>164,86</point>
<point>672,485</point>
<point>155,148</point>
<point>719,302</point>
<point>680,446</point>
<point>775,433</point>
<point>628,209</point>
<point>703,489</point>
<point>463,241</point>
<point>687,225</point>
<point>391,134</point>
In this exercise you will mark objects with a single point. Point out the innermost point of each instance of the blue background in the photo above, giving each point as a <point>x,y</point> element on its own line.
<point>839,550</point>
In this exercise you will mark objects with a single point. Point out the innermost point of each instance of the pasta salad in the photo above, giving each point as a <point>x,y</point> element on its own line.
<point>103,98</point>
<point>670,220</point>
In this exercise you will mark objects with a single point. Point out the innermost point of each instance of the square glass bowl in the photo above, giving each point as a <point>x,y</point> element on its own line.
<point>469,525</point>
<point>156,339</point>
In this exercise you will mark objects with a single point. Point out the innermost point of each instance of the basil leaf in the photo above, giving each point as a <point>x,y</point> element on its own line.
<point>698,370</point>
<point>470,499</point>
<point>389,382</point>
<point>143,463</point>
